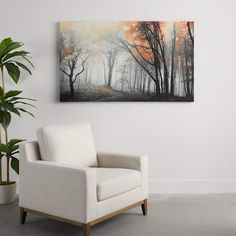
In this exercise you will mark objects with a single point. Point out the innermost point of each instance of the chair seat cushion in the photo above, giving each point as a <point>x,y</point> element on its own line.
<point>114,181</point>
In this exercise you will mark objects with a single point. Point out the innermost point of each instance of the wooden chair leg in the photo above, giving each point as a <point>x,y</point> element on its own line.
<point>144,207</point>
<point>86,229</point>
<point>23,214</point>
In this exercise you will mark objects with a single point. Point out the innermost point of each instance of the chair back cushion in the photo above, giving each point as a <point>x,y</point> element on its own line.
<point>68,144</point>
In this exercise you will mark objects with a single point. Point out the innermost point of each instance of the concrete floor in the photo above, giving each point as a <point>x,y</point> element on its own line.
<point>169,215</point>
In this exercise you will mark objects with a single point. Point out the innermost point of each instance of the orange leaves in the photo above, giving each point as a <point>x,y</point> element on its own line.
<point>163,29</point>
<point>68,54</point>
<point>131,31</point>
<point>182,31</point>
<point>191,23</point>
<point>135,32</point>
<point>66,51</point>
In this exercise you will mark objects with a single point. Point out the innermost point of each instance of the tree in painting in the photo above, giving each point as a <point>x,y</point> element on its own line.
<point>127,61</point>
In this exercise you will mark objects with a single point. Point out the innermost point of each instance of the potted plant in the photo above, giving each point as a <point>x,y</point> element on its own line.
<point>12,61</point>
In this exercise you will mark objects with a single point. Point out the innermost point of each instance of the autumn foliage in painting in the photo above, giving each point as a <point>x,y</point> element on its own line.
<point>127,61</point>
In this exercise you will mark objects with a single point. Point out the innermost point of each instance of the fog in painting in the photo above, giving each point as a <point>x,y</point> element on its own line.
<point>127,61</point>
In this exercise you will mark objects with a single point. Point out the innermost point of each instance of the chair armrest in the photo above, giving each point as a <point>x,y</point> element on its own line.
<point>58,189</point>
<point>122,161</point>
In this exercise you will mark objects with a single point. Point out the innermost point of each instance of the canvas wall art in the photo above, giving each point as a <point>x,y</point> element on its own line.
<point>127,61</point>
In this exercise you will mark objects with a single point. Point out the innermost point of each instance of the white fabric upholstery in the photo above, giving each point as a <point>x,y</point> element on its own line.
<point>114,181</point>
<point>110,160</point>
<point>120,201</point>
<point>68,144</point>
<point>57,189</point>
<point>81,194</point>
<point>139,163</point>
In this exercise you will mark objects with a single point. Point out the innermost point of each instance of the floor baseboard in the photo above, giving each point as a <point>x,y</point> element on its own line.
<point>192,186</point>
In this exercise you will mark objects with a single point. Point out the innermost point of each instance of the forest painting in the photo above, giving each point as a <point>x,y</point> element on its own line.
<point>127,61</point>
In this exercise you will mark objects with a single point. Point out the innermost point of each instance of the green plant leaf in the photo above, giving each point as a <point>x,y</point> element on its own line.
<point>5,119</point>
<point>23,66</point>
<point>11,103</point>
<point>28,61</point>
<point>15,54</point>
<point>15,164</point>
<point>16,152</point>
<point>24,103</point>
<point>23,110</point>
<point>11,150</point>
<point>12,93</point>
<point>12,46</point>
<point>1,93</point>
<point>3,148</point>
<point>4,44</point>
<point>9,58</point>
<point>18,98</point>
<point>13,142</point>
<point>14,110</point>
<point>13,71</point>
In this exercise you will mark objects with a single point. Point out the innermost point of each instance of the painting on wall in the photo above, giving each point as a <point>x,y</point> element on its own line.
<point>127,61</point>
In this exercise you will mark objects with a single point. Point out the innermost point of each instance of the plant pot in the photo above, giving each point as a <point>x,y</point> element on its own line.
<point>7,192</point>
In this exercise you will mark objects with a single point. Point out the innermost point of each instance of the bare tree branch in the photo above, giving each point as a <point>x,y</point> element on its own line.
<point>83,68</point>
<point>130,51</point>
<point>158,42</point>
<point>190,33</point>
<point>64,71</point>
<point>135,47</point>
<point>149,48</point>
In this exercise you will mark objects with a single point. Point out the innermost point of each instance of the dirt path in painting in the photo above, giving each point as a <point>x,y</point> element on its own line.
<point>101,93</point>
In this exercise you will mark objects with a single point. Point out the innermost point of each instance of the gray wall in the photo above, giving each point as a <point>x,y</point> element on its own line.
<point>191,146</point>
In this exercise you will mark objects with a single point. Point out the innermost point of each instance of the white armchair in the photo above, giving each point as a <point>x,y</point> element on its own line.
<point>62,177</point>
